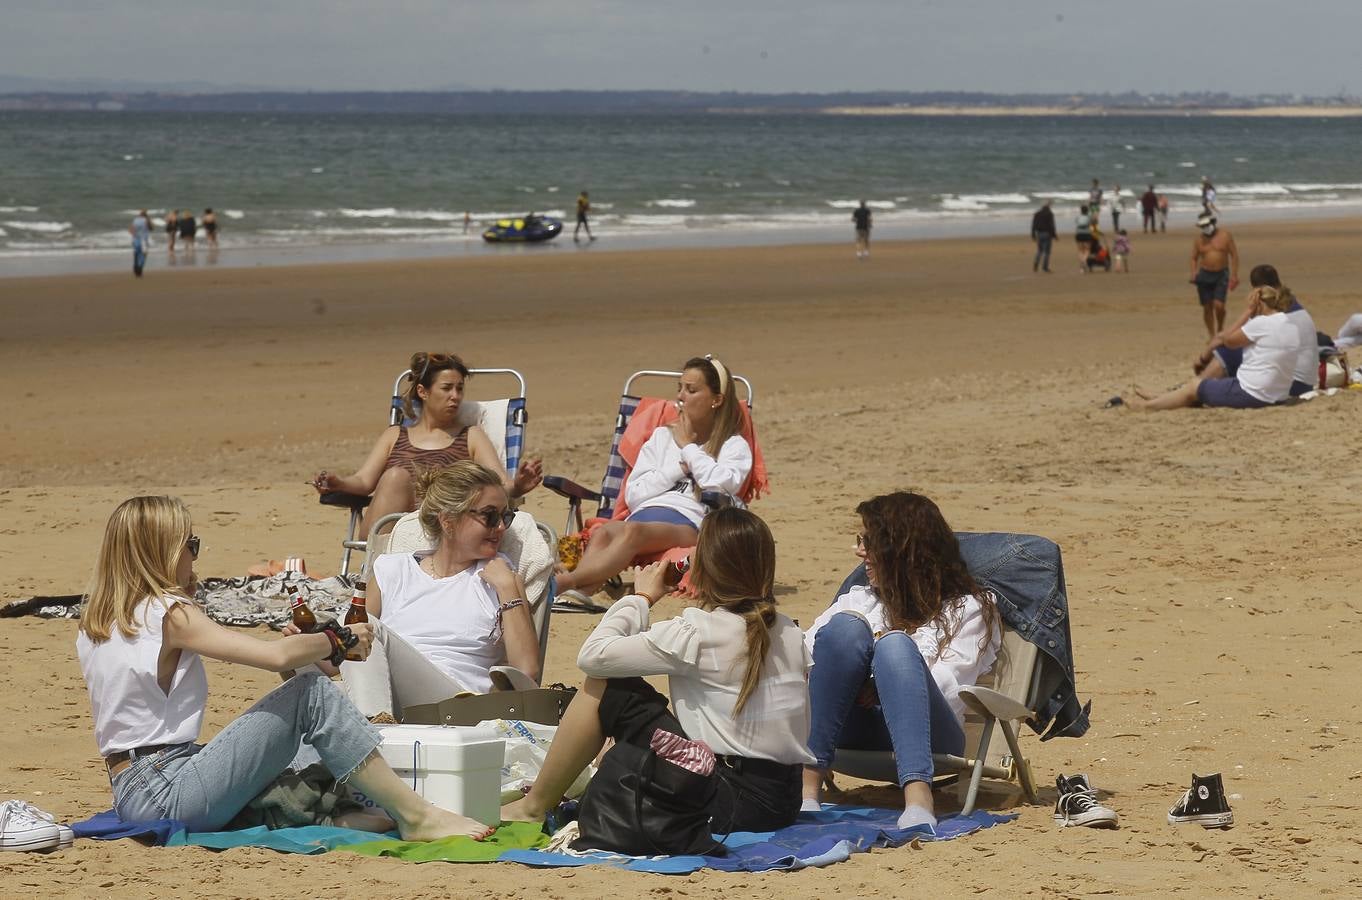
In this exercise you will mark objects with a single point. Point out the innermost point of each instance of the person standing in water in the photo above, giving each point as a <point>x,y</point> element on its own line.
<point>210,226</point>
<point>172,229</point>
<point>140,229</point>
<point>860,217</point>
<point>188,228</point>
<point>583,207</point>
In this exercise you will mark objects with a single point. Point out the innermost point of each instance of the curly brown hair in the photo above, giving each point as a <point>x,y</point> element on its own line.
<point>918,567</point>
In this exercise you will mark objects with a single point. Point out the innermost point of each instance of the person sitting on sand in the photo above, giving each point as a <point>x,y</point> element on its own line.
<point>1220,361</point>
<point>459,609</point>
<point>1271,345</point>
<point>736,676</point>
<point>141,644</point>
<point>437,439</point>
<point>703,450</point>
<point>889,658</point>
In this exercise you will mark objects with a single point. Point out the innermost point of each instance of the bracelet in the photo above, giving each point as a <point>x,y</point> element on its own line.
<point>512,604</point>
<point>342,639</point>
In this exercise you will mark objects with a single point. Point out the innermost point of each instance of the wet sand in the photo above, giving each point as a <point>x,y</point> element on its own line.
<point>1211,555</point>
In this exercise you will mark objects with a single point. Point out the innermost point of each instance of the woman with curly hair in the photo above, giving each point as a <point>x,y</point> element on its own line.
<point>889,658</point>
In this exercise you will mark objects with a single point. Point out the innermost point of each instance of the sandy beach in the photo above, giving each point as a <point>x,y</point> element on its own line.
<point>1211,555</point>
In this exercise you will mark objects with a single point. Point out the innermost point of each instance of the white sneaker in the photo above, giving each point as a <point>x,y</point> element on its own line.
<point>66,837</point>
<point>21,830</point>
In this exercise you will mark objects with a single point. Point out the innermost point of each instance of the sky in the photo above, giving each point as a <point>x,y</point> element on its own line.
<point>1008,46</point>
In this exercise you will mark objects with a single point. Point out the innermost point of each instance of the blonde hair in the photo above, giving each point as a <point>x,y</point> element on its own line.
<point>734,568</point>
<point>728,417</point>
<point>137,560</point>
<point>1277,299</point>
<point>424,367</point>
<point>451,491</point>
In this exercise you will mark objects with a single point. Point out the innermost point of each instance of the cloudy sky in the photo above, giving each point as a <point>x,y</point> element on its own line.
<point>1239,46</point>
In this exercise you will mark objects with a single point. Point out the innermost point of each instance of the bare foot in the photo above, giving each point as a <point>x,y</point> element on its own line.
<point>1143,394</point>
<point>441,823</point>
<point>521,811</point>
<point>365,821</point>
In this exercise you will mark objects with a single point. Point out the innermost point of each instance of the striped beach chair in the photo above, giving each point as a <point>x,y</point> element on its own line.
<point>503,420</point>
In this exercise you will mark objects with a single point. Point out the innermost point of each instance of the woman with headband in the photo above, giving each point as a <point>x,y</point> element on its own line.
<point>703,450</point>
<point>435,441</point>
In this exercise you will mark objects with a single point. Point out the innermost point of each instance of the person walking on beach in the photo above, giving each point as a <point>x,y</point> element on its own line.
<point>172,229</point>
<point>583,207</point>
<point>1149,205</point>
<point>210,226</point>
<point>1118,206</point>
<point>140,229</point>
<point>860,217</point>
<point>1163,212</point>
<point>1208,197</point>
<point>1215,271</point>
<point>1043,233</point>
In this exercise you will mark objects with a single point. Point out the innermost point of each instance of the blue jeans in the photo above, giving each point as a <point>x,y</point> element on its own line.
<point>139,257</point>
<point>913,718</point>
<point>1042,260</point>
<point>205,785</point>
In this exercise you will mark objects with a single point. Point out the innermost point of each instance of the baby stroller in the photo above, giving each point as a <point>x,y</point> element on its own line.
<point>1099,257</point>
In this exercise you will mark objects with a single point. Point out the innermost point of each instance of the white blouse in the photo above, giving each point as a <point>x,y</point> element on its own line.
<point>130,708</point>
<point>961,663</point>
<point>659,481</point>
<point>704,655</point>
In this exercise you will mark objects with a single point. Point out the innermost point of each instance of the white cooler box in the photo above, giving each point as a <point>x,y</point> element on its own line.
<point>457,767</point>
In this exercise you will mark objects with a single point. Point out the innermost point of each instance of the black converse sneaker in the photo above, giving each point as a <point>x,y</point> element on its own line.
<point>1203,804</point>
<point>1077,804</point>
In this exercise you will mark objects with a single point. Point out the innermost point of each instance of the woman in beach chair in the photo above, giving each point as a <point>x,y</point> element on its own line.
<point>702,450</point>
<point>436,440</point>
<point>141,644</point>
<point>889,658</point>
<point>443,618</point>
<point>736,677</point>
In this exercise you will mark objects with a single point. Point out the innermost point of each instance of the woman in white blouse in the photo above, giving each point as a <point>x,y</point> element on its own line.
<point>703,450</point>
<point>889,658</point>
<point>736,671</point>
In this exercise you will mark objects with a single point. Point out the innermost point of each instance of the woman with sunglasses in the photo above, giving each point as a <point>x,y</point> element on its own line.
<point>890,657</point>
<point>141,646</point>
<point>461,607</point>
<point>435,440</point>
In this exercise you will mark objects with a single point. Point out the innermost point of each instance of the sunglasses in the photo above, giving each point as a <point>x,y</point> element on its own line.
<point>860,540</point>
<point>491,517</point>
<point>193,545</point>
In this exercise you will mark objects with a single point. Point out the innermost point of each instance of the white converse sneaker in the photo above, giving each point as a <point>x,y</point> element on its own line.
<point>20,830</point>
<point>1077,804</point>
<point>66,837</point>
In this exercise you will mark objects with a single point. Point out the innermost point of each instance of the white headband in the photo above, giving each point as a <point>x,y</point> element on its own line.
<point>722,370</point>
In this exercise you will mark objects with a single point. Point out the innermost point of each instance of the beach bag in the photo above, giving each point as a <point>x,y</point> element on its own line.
<point>643,805</point>
<point>1333,371</point>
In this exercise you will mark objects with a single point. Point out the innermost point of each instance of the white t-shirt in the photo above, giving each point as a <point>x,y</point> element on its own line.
<point>1270,361</point>
<point>960,664</point>
<point>658,480</point>
<point>130,709</point>
<point>455,622</point>
<point>704,655</point>
<point>1307,357</point>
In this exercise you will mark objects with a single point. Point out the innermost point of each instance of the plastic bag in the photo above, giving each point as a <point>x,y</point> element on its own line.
<point>527,744</point>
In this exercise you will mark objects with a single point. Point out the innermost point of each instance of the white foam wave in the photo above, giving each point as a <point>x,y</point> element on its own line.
<point>961,204</point>
<point>44,227</point>
<point>1258,188</point>
<point>672,203</point>
<point>234,214</point>
<point>852,204</point>
<point>655,221</point>
<point>1349,186</point>
<point>392,212</point>
<point>552,189</point>
<point>4,233</point>
<point>996,198</point>
<point>15,209</point>
<point>1187,165</point>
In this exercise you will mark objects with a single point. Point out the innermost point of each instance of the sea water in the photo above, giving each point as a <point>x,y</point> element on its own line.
<point>71,182</point>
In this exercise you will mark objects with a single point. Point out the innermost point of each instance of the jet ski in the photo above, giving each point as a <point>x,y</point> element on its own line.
<point>530,229</point>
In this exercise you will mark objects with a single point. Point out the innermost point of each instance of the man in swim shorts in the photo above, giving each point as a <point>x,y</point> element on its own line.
<point>1215,271</point>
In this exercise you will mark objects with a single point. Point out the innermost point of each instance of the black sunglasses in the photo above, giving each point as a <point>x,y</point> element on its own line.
<point>193,545</point>
<point>490,516</point>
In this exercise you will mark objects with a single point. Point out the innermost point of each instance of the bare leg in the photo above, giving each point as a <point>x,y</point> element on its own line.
<point>577,742</point>
<point>365,821</point>
<point>394,493</point>
<point>918,793</point>
<point>614,544</point>
<point>1208,316</point>
<point>813,782</point>
<point>1174,399</point>
<point>417,819</point>
<point>1219,307</point>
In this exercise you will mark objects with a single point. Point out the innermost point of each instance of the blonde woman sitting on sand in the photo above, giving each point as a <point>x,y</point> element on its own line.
<point>703,450</point>
<point>442,618</point>
<point>436,440</point>
<point>736,674</point>
<point>141,645</point>
<point>1271,344</point>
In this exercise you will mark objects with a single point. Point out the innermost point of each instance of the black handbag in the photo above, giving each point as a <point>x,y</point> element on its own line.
<point>643,805</point>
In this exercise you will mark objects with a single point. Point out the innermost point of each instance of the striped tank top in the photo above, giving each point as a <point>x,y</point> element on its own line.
<point>411,458</point>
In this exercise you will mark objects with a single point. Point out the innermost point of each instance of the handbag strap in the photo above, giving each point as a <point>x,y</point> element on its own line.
<point>645,774</point>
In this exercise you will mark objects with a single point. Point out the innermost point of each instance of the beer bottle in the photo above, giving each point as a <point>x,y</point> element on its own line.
<point>356,614</point>
<point>302,616</point>
<point>675,571</point>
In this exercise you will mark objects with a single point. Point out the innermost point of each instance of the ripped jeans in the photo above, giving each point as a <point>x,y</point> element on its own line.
<point>913,718</point>
<point>205,785</point>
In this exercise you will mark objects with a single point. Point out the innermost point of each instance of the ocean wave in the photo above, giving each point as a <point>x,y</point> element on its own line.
<point>44,227</point>
<point>655,221</point>
<point>1348,186</point>
<point>1260,188</point>
<point>234,214</point>
<point>392,212</point>
<point>15,209</point>
<point>996,198</point>
<point>852,204</point>
<point>361,232</point>
<point>672,203</point>
<point>959,204</point>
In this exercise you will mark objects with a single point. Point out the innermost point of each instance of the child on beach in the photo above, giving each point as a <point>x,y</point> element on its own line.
<point>1120,249</point>
<point>141,645</point>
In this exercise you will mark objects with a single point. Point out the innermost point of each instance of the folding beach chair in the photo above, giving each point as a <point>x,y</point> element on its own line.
<point>502,420</point>
<point>1013,697</point>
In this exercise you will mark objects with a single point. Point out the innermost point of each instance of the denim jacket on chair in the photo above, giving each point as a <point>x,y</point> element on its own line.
<point>1027,575</point>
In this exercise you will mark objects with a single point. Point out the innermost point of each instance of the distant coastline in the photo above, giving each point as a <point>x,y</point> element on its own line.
<point>1247,112</point>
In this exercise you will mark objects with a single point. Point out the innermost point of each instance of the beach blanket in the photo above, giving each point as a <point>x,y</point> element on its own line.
<point>816,839</point>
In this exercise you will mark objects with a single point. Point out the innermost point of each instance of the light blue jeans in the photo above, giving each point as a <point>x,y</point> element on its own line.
<point>205,785</point>
<point>913,718</point>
